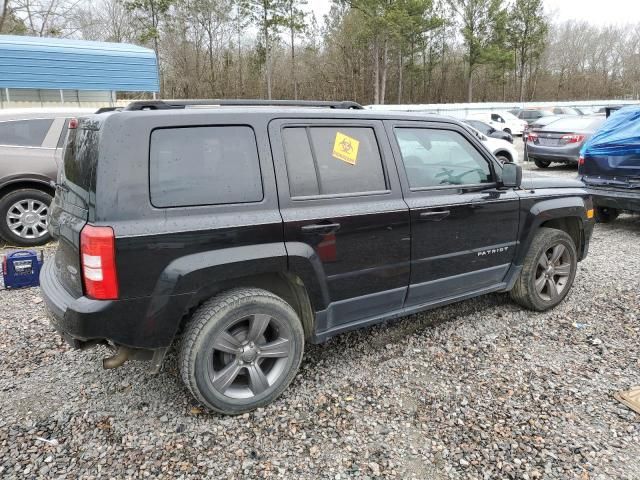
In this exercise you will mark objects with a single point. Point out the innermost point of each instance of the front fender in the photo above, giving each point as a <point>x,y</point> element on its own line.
<point>536,213</point>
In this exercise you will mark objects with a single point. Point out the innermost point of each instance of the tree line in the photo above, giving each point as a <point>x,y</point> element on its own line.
<point>370,51</point>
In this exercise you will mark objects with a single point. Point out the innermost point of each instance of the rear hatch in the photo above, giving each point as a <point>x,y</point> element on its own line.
<point>71,205</point>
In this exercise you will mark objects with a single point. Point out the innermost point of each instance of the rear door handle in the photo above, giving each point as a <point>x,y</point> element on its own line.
<point>320,228</point>
<point>435,216</point>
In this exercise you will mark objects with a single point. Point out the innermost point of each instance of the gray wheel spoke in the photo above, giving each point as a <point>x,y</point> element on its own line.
<point>277,349</point>
<point>543,262</point>
<point>225,342</point>
<point>540,281</point>
<point>563,270</point>
<point>558,250</point>
<point>257,380</point>
<point>259,323</point>
<point>40,209</point>
<point>552,288</point>
<point>226,376</point>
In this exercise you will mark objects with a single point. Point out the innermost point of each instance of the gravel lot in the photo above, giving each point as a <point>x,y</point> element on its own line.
<point>480,389</point>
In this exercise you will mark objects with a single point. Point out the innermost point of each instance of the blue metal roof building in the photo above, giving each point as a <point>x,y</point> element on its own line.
<point>58,67</point>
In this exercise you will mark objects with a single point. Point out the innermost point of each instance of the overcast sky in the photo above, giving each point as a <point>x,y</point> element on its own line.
<point>604,11</point>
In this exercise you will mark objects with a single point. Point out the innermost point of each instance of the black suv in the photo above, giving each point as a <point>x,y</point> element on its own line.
<point>251,230</point>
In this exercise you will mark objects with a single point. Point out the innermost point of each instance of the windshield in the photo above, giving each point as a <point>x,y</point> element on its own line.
<point>573,124</point>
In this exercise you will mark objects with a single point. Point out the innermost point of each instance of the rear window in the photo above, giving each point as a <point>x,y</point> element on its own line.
<point>27,133</point>
<point>80,156</point>
<point>204,166</point>
<point>575,124</point>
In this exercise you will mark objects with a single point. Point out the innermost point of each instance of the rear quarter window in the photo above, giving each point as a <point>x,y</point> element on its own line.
<point>26,133</point>
<point>207,165</point>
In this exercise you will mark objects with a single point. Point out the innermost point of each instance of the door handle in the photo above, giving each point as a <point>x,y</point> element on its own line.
<point>435,216</point>
<point>320,228</point>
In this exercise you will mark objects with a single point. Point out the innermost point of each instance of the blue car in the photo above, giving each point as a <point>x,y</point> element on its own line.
<point>609,164</point>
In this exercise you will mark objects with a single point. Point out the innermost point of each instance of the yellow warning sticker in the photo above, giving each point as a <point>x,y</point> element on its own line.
<point>345,148</point>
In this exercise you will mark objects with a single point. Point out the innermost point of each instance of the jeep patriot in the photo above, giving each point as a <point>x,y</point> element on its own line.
<point>246,229</point>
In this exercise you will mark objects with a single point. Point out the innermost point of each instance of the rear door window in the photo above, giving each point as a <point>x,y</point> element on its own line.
<point>26,133</point>
<point>333,161</point>
<point>212,165</point>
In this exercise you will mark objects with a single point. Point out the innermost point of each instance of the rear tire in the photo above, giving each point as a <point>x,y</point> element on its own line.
<point>548,271</point>
<point>503,159</point>
<point>542,163</point>
<point>23,217</point>
<point>606,214</point>
<point>241,350</point>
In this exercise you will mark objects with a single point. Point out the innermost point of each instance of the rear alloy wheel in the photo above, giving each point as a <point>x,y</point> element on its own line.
<point>606,214</point>
<point>548,271</point>
<point>23,217</point>
<point>542,163</point>
<point>241,350</point>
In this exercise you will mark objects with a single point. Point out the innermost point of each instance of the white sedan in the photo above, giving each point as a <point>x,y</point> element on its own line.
<point>501,149</point>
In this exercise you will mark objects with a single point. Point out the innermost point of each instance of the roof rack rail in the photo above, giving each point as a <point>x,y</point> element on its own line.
<point>181,104</point>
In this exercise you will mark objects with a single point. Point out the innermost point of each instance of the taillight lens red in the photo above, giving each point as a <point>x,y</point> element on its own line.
<point>581,161</point>
<point>73,123</point>
<point>98,258</point>
<point>572,138</point>
<point>532,137</point>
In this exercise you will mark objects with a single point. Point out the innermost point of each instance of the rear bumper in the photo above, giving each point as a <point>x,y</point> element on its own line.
<point>616,198</point>
<point>141,323</point>
<point>559,155</point>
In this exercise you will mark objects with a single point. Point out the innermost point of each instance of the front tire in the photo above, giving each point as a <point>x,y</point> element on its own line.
<point>503,158</point>
<point>241,350</point>
<point>23,217</point>
<point>542,163</point>
<point>548,271</point>
<point>606,214</point>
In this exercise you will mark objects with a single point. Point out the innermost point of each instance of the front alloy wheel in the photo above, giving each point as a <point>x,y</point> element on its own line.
<point>553,272</point>
<point>548,270</point>
<point>241,350</point>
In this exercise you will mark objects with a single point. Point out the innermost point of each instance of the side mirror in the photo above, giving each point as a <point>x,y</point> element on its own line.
<point>511,175</point>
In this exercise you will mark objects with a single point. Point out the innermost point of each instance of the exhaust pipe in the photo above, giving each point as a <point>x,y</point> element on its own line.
<point>116,360</point>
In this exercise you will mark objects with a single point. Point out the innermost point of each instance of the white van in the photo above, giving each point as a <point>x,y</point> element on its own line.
<point>505,121</point>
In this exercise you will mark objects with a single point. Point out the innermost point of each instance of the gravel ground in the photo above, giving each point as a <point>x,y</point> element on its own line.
<point>480,389</point>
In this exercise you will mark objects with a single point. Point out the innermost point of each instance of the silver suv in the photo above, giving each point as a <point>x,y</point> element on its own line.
<point>31,142</point>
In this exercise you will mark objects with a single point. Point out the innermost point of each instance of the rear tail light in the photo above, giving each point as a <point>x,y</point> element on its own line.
<point>98,258</point>
<point>532,137</point>
<point>73,124</point>
<point>572,138</point>
<point>581,161</point>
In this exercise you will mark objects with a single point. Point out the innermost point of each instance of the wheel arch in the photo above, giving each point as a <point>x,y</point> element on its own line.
<point>36,182</point>
<point>566,214</point>
<point>284,284</point>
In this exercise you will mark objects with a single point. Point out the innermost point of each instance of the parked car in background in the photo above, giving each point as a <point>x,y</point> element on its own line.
<point>31,141</point>
<point>565,111</point>
<point>587,110</point>
<point>488,130</point>
<point>561,141</point>
<point>530,115</point>
<point>609,165</point>
<point>503,150</point>
<point>501,120</point>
